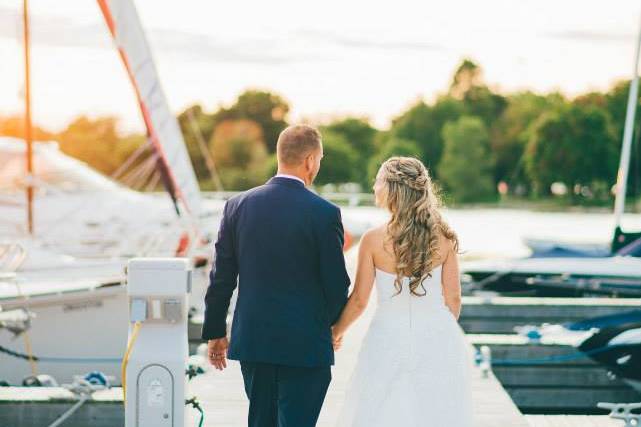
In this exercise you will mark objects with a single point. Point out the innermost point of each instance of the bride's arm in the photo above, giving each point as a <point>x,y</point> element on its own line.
<point>452,281</point>
<point>359,297</point>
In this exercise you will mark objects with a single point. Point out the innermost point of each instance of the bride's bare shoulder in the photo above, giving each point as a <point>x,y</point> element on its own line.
<point>445,247</point>
<point>374,237</point>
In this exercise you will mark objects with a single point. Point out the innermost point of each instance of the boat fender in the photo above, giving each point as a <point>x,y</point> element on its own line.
<point>97,378</point>
<point>41,380</point>
<point>183,245</point>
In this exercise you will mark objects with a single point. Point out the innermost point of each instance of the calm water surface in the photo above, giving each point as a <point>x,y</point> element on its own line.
<point>500,232</point>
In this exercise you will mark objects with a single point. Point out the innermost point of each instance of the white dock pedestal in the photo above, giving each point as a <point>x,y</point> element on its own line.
<point>155,382</point>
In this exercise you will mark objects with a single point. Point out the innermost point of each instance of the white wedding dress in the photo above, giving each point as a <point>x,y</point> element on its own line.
<point>414,365</point>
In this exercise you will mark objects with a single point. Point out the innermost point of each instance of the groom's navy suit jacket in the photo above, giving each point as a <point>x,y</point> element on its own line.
<point>283,245</point>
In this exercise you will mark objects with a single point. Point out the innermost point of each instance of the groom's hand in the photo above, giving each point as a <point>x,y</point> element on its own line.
<point>217,352</point>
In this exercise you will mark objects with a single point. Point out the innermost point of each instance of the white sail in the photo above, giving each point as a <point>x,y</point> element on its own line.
<point>162,127</point>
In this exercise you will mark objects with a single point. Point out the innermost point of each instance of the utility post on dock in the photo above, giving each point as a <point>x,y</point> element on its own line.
<point>154,382</point>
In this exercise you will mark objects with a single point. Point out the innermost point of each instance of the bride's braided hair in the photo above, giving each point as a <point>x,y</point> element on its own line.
<point>416,222</point>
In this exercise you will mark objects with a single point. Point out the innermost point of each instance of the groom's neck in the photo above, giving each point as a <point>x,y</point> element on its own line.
<point>292,172</point>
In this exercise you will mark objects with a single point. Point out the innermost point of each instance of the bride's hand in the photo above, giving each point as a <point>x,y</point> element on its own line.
<point>337,340</point>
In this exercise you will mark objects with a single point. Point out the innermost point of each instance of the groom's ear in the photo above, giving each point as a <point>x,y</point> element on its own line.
<point>309,162</point>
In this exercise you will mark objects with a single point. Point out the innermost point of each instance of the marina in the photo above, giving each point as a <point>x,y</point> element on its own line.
<point>109,235</point>
<point>500,395</point>
<point>223,399</point>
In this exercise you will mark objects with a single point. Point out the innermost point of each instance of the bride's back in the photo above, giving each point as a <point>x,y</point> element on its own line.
<point>383,252</point>
<point>428,300</point>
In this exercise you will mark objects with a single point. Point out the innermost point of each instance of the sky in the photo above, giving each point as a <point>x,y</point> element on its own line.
<point>327,59</point>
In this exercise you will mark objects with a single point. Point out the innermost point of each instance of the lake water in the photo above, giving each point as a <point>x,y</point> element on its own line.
<point>487,233</point>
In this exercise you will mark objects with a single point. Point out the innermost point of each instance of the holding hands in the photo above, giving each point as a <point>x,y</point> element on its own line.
<point>337,338</point>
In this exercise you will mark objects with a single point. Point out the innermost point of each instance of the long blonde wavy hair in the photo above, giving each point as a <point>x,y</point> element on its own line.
<point>416,222</point>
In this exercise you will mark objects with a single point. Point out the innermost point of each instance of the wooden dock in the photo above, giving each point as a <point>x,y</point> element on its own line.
<point>223,398</point>
<point>569,386</point>
<point>499,315</point>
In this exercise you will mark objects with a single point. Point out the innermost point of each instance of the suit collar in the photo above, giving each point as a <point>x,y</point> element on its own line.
<point>284,175</point>
<point>286,181</point>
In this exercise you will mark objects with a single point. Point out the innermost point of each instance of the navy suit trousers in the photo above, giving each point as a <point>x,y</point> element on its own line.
<point>284,396</point>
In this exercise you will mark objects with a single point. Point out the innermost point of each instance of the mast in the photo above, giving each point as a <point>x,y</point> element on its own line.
<point>164,134</point>
<point>626,146</point>
<point>27,99</point>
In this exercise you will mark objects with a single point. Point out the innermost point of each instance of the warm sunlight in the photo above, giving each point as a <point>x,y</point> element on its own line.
<point>347,213</point>
<point>363,58</point>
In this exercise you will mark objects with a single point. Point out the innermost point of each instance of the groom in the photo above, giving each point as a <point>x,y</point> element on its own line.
<point>284,245</point>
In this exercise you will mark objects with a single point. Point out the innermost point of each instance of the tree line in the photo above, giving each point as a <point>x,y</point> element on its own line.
<point>478,143</point>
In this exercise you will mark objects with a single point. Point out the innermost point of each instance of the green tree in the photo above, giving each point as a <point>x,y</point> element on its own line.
<point>423,124</point>
<point>482,102</point>
<point>468,75</point>
<point>361,137</point>
<point>479,100</point>
<point>466,167</point>
<point>575,146</point>
<point>616,105</point>
<point>511,131</point>
<point>390,148</point>
<point>240,155</point>
<point>340,160</point>
<point>98,143</point>
<point>265,108</point>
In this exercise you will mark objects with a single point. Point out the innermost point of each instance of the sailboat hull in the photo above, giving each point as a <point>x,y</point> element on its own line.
<point>83,327</point>
<point>85,330</point>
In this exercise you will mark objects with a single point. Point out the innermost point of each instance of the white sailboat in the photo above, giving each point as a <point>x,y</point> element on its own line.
<point>68,275</point>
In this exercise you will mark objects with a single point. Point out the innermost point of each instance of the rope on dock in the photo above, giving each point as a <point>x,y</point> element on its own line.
<point>62,418</point>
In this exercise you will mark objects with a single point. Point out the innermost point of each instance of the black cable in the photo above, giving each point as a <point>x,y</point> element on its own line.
<point>196,405</point>
<point>24,356</point>
<point>18,355</point>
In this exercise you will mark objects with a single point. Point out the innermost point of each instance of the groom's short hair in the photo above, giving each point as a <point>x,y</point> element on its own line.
<point>295,143</point>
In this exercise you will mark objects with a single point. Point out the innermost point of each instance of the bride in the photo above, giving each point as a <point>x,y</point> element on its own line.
<point>414,365</point>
